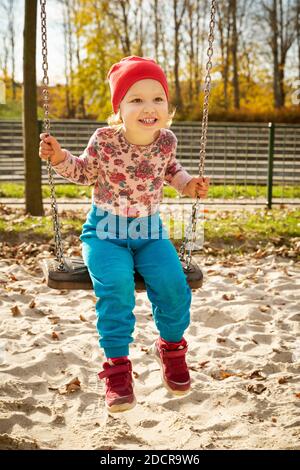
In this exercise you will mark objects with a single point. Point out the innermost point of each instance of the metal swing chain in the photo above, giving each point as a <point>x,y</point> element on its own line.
<point>190,236</point>
<point>46,127</point>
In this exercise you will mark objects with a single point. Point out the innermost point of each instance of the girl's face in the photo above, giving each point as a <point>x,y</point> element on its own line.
<point>145,99</point>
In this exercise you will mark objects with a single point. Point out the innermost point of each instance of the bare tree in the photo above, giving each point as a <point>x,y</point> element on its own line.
<point>178,12</point>
<point>67,81</point>
<point>4,57</point>
<point>247,40</point>
<point>139,27</point>
<point>280,20</point>
<point>195,44</point>
<point>224,27</point>
<point>298,34</point>
<point>70,55</point>
<point>8,7</point>
<point>234,51</point>
<point>119,11</point>
<point>191,47</point>
<point>125,6</point>
<point>78,25</point>
<point>33,184</point>
<point>161,54</point>
<point>201,41</point>
<point>156,21</point>
<point>67,10</point>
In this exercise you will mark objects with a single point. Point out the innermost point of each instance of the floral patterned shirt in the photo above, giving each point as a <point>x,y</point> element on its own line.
<point>128,179</point>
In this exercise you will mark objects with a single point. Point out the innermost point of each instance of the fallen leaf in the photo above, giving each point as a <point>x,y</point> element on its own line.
<point>135,374</point>
<point>228,296</point>
<point>70,387</point>
<point>258,375</point>
<point>231,274</point>
<point>82,318</point>
<point>256,388</point>
<point>297,395</point>
<point>203,364</point>
<point>264,308</point>
<point>223,374</point>
<point>54,335</point>
<point>221,340</point>
<point>32,304</point>
<point>54,320</point>
<point>15,311</point>
<point>282,380</point>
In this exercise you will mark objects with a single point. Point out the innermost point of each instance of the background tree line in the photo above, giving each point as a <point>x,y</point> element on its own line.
<point>256,57</point>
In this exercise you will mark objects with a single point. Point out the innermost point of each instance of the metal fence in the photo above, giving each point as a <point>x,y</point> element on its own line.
<point>238,154</point>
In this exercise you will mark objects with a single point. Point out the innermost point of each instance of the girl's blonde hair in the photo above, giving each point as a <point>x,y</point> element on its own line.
<point>115,120</point>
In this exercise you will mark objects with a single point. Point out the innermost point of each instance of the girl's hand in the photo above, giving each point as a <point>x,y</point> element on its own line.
<point>197,186</point>
<point>50,148</point>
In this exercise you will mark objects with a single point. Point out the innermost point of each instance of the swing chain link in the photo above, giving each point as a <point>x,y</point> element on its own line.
<point>46,127</point>
<point>185,253</point>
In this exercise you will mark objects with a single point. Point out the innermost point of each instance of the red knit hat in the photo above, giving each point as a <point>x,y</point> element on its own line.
<point>129,70</point>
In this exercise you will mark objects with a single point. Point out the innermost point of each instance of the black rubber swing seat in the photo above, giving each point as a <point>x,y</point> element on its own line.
<point>76,276</point>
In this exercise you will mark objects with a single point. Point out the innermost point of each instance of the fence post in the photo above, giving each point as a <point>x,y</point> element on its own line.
<point>270,164</point>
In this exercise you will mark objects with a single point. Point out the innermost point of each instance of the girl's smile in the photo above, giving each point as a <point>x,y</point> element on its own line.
<point>148,122</point>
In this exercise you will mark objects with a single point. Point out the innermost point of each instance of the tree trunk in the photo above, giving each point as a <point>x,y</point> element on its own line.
<point>67,84</point>
<point>234,50</point>
<point>81,102</point>
<point>125,5</point>
<point>72,109</point>
<point>156,28</point>
<point>177,24</point>
<point>139,28</point>
<point>4,60</point>
<point>199,45</point>
<point>33,183</point>
<point>12,45</point>
<point>282,57</point>
<point>274,24</point>
<point>224,26</point>
<point>298,35</point>
<point>191,51</point>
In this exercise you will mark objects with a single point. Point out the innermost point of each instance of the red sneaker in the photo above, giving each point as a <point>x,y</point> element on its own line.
<point>119,395</point>
<point>174,371</point>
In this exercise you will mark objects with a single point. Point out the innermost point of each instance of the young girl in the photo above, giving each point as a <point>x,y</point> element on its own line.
<point>128,163</point>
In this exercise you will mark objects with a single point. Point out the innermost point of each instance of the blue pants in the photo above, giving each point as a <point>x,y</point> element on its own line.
<point>113,247</point>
